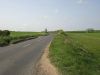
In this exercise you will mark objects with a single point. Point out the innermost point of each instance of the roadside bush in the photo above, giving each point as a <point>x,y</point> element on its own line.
<point>4,33</point>
<point>4,37</point>
<point>0,32</point>
<point>4,41</point>
<point>62,32</point>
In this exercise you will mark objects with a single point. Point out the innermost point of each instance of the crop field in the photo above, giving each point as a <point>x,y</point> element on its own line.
<point>16,37</point>
<point>17,34</point>
<point>21,36</point>
<point>90,41</point>
<point>76,53</point>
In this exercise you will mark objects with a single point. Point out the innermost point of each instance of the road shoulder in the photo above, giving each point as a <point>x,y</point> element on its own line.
<point>44,66</point>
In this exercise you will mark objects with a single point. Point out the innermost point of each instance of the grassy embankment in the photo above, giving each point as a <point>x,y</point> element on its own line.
<point>16,37</point>
<point>76,53</point>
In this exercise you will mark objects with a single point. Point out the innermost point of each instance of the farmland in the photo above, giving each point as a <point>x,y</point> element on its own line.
<point>16,37</point>
<point>17,34</point>
<point>90,41</point>
<point>76,53</point>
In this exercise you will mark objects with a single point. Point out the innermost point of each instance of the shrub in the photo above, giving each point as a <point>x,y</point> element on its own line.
<point>4,33</point>
<point>4,41</point>
<point>61,32</point>
<point>0,33</point>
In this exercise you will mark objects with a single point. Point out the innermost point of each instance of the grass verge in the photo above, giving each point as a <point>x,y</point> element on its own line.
<point>71,58</point>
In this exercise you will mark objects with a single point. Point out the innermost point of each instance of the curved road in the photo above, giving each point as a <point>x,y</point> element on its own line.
<point>19,59</point>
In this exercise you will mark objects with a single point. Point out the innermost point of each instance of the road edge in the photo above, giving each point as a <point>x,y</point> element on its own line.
<point>44,66</point>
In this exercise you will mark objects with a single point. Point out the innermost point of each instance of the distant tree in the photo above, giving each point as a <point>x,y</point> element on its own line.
<point>46,31</point>
<point>60,31</point>
<point>90,30</point>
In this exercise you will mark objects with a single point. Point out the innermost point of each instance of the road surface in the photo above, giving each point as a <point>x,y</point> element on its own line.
<point>19,59</point>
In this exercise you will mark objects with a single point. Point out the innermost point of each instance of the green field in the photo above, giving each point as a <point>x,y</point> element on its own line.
<point>90,41</point>
<point>76,53</point>
<point>16,37</point>
<point>18,34</point>
<point>21,36</point>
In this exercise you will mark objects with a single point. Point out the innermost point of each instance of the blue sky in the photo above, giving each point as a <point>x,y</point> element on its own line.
<point>36,15</point>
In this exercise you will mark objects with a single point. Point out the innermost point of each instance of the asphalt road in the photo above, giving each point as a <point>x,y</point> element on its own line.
<point>19,59</point>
